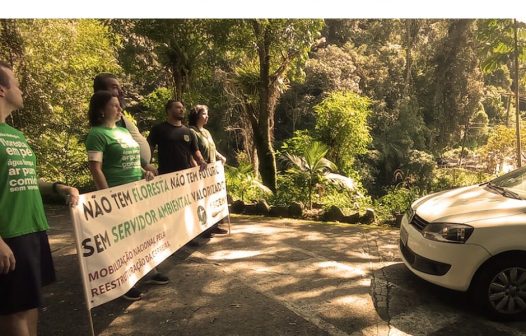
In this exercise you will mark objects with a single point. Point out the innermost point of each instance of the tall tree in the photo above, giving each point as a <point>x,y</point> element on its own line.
<point>58,63</point>
<point>457,84</point>
<point>182,46</point>
<point>272,48</point>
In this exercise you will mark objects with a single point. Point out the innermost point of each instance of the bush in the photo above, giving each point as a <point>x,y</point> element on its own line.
<point>449,178</point>
<point>396,201</point>
<point>241,182</point>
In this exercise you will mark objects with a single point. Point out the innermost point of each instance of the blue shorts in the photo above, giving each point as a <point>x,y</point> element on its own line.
<point>20,289</point>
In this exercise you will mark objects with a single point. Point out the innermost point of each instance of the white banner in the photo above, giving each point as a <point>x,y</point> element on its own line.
<point>123,232</point>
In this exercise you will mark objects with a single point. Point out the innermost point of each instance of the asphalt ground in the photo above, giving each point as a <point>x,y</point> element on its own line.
<point>269,277</point>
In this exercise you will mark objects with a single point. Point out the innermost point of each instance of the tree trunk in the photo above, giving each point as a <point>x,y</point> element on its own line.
<point>178,81</point>
<point>263,126</point>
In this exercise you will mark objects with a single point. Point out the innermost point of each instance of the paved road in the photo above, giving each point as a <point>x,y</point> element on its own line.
<point>271,277</point>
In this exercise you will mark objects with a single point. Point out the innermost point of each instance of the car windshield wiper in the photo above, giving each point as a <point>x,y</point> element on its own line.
<point>503,191</point>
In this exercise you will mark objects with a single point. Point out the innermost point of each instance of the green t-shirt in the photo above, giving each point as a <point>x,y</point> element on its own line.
<point>206,144</point>
<point>118,152</point>
<point>21,208</point>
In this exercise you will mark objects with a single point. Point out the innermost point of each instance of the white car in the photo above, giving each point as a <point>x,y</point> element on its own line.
<point>473,239</point>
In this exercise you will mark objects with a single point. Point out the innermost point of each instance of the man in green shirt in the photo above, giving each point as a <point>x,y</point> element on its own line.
<point>25,257</point>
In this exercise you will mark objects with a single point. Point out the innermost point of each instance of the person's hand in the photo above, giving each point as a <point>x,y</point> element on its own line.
<point>7,258</point>
<point>222,159</point>
<point>203,165</point>
<point>149,175</point>
<point>151,168</point>
<point>72,196</point>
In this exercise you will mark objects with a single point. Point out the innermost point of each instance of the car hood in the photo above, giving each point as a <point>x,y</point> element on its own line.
<point>467,204</point>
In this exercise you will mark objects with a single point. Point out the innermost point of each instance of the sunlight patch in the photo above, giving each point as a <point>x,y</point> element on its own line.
<point>340,270</point>
<point>230,255</point>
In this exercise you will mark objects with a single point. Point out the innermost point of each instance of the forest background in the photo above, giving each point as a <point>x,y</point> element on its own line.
<point>354,113</point>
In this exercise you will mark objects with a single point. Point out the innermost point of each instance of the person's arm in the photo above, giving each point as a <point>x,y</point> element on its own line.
<point>95,167</point>
<point>144,145</point>
<point>7,258</point>
<point>221,157</point>
<point>198,157</point>
<point>152,143</point>
<point>70,194</point>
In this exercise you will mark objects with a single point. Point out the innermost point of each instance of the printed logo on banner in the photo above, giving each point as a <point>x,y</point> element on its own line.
<point>201,215</point>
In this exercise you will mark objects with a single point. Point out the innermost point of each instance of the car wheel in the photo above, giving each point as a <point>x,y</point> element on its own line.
<point>500,288</point>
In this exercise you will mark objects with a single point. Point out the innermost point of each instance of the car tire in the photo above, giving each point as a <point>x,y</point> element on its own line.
<point>499,288</point>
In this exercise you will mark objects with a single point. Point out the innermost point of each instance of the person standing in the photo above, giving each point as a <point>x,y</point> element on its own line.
<point>106,81</point>
<point>26,263</point>
<point>114,157</point>
<point>197,119</point>
<point>176,144</point>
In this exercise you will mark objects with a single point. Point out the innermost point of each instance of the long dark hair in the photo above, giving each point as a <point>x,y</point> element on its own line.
<point>97,103</point>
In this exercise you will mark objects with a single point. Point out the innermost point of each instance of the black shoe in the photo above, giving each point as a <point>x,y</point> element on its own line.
<point>133,294</point>
<point>158,279</point>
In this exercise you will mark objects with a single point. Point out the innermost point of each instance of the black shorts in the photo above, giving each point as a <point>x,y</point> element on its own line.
<point>21,289</point>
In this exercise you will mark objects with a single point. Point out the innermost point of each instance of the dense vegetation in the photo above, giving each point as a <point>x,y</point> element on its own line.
<point>296,105</point>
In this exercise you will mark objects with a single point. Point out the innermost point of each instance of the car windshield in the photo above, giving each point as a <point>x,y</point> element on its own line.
<point>514,182</point>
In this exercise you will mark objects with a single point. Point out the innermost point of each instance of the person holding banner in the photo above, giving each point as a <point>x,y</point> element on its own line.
<point>114,157</point>
<point>106,81</point>
<point>197,119</point>
<point>25,257</point>
<point>176,144</point>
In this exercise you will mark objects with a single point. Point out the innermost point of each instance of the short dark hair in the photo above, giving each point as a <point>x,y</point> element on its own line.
<point>193,115</point>
<point>169,104</point>
<point>4,79</point>
<point>100,82</point>
<point>97,103</point>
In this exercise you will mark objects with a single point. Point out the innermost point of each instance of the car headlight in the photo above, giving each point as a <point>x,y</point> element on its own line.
<point>409,214</point>
<point>447,232</point>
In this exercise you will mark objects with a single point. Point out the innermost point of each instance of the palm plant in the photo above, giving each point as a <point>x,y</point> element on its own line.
<point>312,167</point>
<point>242,182</point>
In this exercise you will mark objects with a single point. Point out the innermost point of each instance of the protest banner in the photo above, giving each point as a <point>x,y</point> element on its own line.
<point>123,232</point>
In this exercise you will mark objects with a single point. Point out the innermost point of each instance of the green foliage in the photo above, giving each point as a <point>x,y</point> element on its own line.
<point>242,183</point>
<point>60,59</point>
<point>349,200</point>
<point>500,150</point>
<point>449,178</point>
<point>477,132</point>
<point>297,144</point>
<point>457,85</point>
<point>342,125</point>
<point>288,191</point>
<point>276,49</point>
<point>396,201</point>
<point>418,169</point>
<point>493,105</point>
<point>310,168</point>
<point>154,103</point>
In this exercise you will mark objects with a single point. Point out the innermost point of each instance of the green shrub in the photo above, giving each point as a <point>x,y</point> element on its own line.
<point>449,178</point>
<point>395,201</point>
<point>347,200</point>
<point>289,191</point>
<point>242,183</point>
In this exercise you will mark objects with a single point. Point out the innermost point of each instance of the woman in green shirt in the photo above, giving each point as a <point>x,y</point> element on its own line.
<point>114,157</point>
<point>197,119</point>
